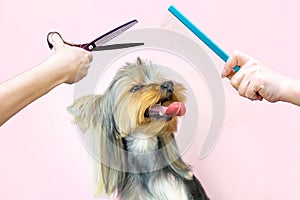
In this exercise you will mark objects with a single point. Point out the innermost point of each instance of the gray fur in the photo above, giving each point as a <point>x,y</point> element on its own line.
<point>139,157</point>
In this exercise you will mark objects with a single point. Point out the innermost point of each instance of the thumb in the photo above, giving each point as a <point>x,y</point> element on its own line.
<point>241,58</point>
<point>57,41</point>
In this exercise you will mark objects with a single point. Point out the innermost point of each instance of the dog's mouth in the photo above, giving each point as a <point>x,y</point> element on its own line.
<point>165,109</point>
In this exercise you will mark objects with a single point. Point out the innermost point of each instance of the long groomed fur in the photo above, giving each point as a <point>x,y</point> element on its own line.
<point>138,156</point>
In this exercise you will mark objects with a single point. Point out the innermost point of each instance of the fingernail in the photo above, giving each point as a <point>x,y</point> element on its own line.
<point>223,74</point>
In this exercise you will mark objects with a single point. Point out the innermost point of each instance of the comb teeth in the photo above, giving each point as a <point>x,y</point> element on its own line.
<point>114,33</point>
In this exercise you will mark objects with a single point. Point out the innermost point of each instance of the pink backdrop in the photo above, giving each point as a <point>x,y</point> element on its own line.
<point>258,155</point>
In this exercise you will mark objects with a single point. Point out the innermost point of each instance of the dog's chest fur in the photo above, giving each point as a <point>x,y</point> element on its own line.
<point>151,181</point>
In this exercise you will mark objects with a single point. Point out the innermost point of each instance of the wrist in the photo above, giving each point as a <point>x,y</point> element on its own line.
<point>290,91</point>
<point>53,70</point>
<point>57,69</point>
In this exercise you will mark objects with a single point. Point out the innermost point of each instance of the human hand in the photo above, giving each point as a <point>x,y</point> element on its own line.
<point>71,62</point>
<point>254,80</point>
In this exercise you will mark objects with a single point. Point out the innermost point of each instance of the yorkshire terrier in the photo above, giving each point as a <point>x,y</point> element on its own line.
<point>133,125</point>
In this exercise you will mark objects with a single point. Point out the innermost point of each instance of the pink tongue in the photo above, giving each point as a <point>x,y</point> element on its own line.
<point>175,109</point>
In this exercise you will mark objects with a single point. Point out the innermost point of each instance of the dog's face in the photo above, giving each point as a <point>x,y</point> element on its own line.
<point>145,101</point>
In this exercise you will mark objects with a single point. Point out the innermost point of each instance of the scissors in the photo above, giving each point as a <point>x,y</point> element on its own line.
<point>97,44</point>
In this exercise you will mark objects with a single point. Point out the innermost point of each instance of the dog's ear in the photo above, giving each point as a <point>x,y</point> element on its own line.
<point>85,112</point>
<point>94,114</point>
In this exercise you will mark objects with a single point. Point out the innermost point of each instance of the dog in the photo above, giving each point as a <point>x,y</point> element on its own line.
<point>133,125</point>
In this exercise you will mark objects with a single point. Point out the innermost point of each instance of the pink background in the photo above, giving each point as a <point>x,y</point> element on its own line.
<point>258,155</point>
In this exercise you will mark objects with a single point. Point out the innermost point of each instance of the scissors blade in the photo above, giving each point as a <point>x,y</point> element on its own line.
<point>109,35</point>
<point>117,46</point>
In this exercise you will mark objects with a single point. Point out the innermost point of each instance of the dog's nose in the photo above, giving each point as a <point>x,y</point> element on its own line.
<point>167,86</point>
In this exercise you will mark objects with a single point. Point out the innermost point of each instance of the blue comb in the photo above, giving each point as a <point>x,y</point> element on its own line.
<point>215,48</point>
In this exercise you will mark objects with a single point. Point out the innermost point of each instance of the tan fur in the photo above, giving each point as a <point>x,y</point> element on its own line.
<point>119,113</point>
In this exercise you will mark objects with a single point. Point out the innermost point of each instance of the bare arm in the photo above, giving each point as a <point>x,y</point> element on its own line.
<point>67,65</point>
<point>291,92</point>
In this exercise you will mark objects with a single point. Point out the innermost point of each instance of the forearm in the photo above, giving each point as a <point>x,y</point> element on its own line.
<point>291,92</point>
<point>20,91</point>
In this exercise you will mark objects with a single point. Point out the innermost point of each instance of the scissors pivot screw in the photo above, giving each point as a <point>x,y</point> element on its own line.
<point>91,47</point>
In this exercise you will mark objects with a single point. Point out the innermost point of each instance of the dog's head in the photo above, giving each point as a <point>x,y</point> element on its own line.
<point>139,100</point>
<point>144,101</point>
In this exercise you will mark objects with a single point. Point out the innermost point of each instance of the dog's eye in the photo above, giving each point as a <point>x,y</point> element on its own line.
<point>136,88</point>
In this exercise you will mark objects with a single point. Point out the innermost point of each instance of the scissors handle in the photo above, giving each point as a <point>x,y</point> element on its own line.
<point>68,43</point>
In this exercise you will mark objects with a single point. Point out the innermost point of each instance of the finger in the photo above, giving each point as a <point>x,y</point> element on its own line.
<point>236,80</point>
<point>87,66</point>
<point>243,88</point>
<point>237,59</point>
<point>56,41</point>
<point>259,90</point>
<point>242,58</point>
<point>229,65</point>
<point>252,91</point>
<point>83,73</point>
<point>80,74</point>
<point>89,55</point>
